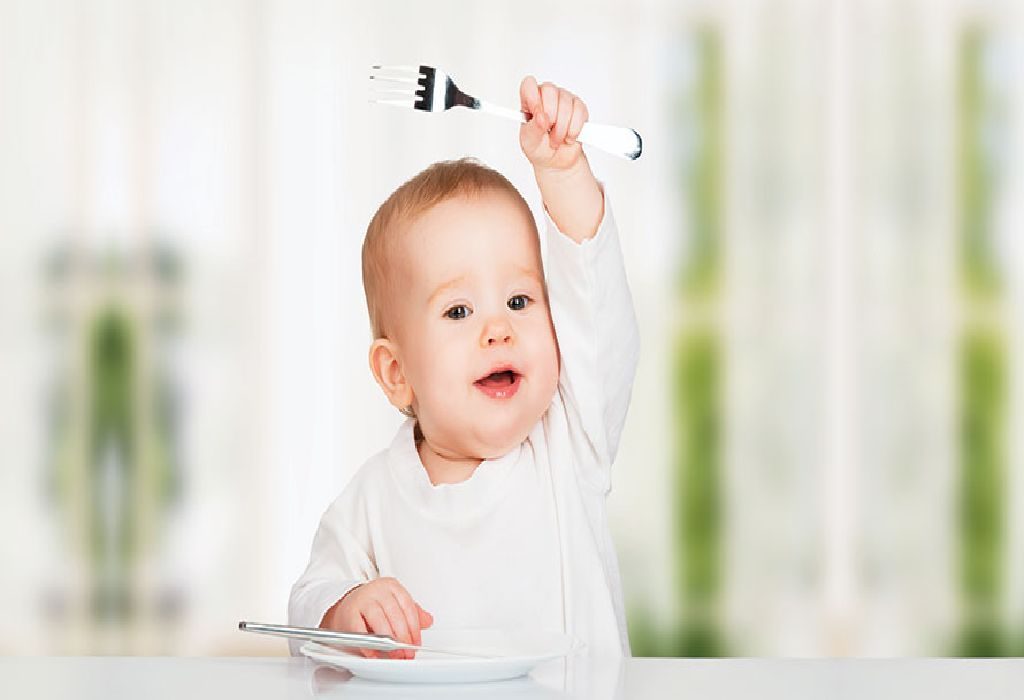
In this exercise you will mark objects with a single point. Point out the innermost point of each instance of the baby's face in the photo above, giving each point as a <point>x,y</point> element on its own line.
<point>474,331</point>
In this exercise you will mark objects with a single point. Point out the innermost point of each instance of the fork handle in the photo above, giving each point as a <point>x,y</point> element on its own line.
<point>352,640</point>
<point>617,140</point>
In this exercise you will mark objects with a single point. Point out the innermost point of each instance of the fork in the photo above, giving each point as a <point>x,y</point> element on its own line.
<point>430,89</point>
<point>349,640</point>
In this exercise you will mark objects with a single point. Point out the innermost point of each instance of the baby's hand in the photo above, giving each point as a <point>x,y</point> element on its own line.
<point>567,185</point>
<point>549,138</point>
<point>381,606</point>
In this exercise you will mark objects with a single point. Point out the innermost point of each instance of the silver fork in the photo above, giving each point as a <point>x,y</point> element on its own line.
<point>430,89</point>
<point>348,640</point>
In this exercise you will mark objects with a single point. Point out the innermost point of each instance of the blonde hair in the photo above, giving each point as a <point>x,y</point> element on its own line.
<point>437,183</point>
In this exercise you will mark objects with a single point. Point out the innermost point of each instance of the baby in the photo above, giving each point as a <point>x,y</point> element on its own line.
<point>488,508</point>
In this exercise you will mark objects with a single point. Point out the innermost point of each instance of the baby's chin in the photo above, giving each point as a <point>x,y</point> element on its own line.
<point>491,441</point>
<point>496,437</point>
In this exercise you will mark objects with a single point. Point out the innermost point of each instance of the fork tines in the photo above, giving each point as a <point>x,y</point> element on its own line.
<point>403,86</point>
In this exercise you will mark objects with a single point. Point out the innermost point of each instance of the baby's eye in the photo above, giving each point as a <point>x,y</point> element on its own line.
<point>457,312</point>
<point>518,302</point>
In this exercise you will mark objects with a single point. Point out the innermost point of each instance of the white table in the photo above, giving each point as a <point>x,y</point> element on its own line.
<point>252,678</point>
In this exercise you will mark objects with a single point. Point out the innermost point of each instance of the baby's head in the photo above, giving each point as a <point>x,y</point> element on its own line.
<point>455,289</point>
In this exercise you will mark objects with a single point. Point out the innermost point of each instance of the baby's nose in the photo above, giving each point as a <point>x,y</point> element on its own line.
<point>496,333</point>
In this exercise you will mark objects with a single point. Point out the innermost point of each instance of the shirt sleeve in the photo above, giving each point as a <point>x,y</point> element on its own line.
<point>337,564</point>
<point>598,339</point>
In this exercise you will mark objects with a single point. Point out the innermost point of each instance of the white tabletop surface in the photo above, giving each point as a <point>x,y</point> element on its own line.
<point>247,678</point>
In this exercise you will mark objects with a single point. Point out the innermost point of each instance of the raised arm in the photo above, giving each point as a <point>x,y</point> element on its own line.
<point>591,305</point>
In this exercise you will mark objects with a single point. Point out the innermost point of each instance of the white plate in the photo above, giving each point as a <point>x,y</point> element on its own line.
<point>522,688</point>
<point>515,654</point>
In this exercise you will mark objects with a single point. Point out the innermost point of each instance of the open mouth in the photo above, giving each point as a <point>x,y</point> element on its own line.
<point>502,384</point>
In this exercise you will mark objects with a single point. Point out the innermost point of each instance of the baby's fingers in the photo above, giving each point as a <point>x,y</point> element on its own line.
<point>530,101</point>
<point>358,624</point>
<point>549,101</point>
<point>579,118</point>
<point>377,623</point>
<point>410,611</point>
<point>426,619</point>
<point>563,118</point>
<point>400,624</point>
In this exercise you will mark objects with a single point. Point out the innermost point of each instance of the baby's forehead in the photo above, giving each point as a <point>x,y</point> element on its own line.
<point>467,225</point>
<point>412,263</point>
<point>428,275</point>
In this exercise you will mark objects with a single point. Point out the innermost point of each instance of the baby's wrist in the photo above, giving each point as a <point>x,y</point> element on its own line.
<point>574,200</point>
<point>578,171</point>
<point>566,183</point>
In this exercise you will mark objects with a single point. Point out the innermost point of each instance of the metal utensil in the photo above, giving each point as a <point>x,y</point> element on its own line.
<point>348,640</point>
<point>430,89</point>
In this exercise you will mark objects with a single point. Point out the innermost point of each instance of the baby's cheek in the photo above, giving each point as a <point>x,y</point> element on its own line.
<point>551,366</point>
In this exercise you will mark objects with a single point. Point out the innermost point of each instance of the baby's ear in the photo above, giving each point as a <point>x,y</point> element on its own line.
<point>387,370</point>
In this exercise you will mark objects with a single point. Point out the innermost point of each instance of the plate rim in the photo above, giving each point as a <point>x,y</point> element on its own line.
<point>357,665</point>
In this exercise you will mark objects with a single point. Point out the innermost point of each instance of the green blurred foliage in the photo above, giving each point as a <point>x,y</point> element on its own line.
<point>696,377</point>
<point>113,421</point>
<point>697,372</point>
<point>112,367</point>
<point>983,369</point>
<point>698,497</point>
<point>982,506</point>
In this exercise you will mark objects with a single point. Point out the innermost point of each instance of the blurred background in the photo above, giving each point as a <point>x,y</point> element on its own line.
<point>824,453</point>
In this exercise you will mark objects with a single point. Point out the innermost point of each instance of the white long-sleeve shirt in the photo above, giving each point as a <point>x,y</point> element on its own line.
<point>524,542</point>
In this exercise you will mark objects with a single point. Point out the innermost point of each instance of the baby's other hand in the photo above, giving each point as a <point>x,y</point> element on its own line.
<point>381,606</point>
<point>549,139</point>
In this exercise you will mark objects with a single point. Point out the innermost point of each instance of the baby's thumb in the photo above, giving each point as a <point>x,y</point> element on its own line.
<point>426,619</point>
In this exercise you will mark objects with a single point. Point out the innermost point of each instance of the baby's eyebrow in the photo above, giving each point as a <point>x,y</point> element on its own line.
<point>534,276</point>
<point>445,287</point>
